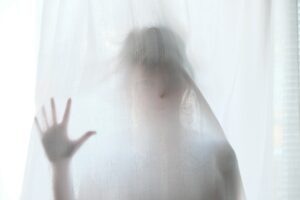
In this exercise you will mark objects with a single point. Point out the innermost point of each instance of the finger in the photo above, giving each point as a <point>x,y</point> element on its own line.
<point>53,108</point>
<point>45,116</point>
<point>67,112</point>
<point>38,125</point>
<point>83,139</point>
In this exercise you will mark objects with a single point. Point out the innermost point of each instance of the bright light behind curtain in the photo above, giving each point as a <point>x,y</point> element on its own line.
<point>18,56</point>
<point>286,100</point>
<point>230,47</point>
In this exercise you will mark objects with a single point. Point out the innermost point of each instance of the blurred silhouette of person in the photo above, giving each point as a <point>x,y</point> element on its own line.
<point>200,166</point>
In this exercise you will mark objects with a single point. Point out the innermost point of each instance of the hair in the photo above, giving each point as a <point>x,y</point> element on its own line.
<point>153,46</point>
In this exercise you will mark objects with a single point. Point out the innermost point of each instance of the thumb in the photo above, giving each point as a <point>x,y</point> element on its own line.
<point>80,141</point>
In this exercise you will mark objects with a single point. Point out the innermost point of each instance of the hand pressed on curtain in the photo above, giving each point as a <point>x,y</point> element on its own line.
<point>55,140</point>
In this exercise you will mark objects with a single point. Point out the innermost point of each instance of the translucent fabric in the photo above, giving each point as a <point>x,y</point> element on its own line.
<point>224,120</point>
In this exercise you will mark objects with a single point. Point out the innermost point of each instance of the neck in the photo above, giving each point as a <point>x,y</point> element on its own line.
<point>158,130</point>
<point>158,120</point>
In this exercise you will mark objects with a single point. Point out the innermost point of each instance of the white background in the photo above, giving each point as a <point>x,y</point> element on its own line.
<point>18,61</point>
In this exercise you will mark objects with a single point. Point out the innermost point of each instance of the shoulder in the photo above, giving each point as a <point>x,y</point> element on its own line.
<point>218,148</point>
<point>225,156</point>
<point>218,143</point>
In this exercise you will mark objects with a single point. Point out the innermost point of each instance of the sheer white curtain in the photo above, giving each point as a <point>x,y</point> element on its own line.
<point>230,46</point>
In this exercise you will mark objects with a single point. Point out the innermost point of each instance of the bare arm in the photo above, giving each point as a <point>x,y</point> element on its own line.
<point>234,186</point>
<point>230,173</point>
<point>59,150</point>
<point>62,182</point>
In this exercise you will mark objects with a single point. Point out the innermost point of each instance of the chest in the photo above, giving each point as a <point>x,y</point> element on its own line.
<point>182,173</point>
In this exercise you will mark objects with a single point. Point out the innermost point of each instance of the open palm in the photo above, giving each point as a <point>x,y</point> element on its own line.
<point>55,140</point>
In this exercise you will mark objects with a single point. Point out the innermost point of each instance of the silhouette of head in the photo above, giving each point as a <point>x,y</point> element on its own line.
<point>156,58</point>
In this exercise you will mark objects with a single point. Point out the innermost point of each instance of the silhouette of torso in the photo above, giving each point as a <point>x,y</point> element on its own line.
<point>188,170</point>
